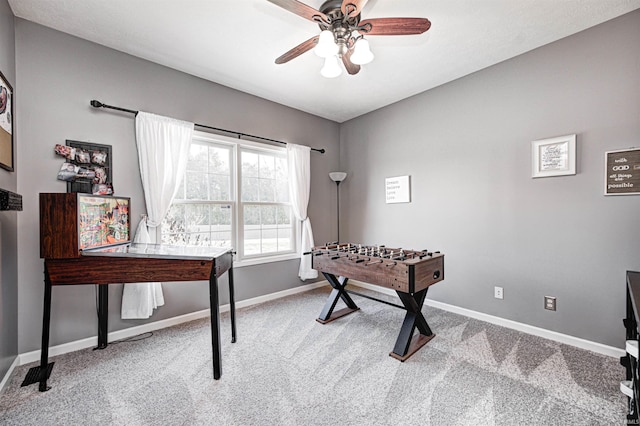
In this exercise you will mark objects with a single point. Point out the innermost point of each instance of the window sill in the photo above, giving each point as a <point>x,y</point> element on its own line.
<point>261,260</point>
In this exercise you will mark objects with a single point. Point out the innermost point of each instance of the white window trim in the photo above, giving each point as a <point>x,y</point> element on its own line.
<point>236,204</point>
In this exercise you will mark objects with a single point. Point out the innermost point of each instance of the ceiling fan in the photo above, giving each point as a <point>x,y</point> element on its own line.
<point>342,33</point>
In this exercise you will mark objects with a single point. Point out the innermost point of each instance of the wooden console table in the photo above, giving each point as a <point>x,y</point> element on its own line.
<point>130,263</point>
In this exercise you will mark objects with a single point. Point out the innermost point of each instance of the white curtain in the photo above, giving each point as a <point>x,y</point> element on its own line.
<point>299,162</point>
<point>163,150</point>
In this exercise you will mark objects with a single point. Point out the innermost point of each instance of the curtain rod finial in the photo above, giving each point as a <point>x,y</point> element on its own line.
<point>96,104</point>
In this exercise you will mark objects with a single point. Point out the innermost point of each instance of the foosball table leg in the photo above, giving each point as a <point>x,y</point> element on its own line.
<point>338,292</point>
<point>407,344</point>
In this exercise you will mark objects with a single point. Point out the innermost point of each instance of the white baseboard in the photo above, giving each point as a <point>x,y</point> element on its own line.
<point>9,372</point>
<point>126,333</point>
<point>525,328</point>
<point>280,294</point>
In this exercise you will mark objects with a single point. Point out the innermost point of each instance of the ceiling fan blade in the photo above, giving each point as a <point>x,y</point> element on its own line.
<point>298,50</point>
<point>351,8</point>
<point>301,9</point>
<point>394,26</point>
<point>350,66</point>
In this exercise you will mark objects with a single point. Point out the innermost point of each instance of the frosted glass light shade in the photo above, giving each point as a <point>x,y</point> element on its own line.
<point>361,53</point>
<point>338,176</point>
<point>326,46</point>
<point>331,67</point>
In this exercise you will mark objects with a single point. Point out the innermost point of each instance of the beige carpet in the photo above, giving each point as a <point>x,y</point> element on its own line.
<point>287,369</point>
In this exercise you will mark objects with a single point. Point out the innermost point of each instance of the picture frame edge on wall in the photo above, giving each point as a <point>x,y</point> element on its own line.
<point>7,152</point>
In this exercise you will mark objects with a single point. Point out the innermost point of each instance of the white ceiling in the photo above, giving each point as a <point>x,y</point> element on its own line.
<point>235,42</point>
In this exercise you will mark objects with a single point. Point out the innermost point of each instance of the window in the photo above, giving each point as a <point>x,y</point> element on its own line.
<point>264,195</point>
<point>226,183</point>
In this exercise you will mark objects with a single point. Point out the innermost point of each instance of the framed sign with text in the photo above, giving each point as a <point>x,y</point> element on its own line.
<point>397,189</point>
<point>622,172</point>
<point>553,157</point>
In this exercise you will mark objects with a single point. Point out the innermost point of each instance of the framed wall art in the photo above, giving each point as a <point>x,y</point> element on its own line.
<point>92,162</point>
<point>554,156</point>
<point>397,189</point>
<point>6,124</point>
<point>622,172</point>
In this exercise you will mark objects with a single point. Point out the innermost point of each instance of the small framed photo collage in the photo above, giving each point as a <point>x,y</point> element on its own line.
<point>87,167</point>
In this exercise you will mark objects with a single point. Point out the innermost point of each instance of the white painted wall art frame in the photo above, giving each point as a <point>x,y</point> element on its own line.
<point>554,156</point>
<point>397,189</point>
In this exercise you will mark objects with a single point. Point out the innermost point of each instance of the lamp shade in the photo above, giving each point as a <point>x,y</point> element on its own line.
<point>326,46</point>
<point>331,67</point>
<point>338,176</point>
<point>361,53</point>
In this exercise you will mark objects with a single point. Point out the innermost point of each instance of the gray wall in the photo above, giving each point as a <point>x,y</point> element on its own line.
<point>59,75</point>
<point>8,219</point>
<point>467,147</point>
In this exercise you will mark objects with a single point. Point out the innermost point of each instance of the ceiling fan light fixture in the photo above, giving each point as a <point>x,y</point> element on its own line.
<point>331,68</point>
<point>361,52</point>
<point>342,30</point>
<point>326,46</point>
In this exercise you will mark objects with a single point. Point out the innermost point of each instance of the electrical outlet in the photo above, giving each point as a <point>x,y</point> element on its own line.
<point>550,303</point>
<point>498,293</point>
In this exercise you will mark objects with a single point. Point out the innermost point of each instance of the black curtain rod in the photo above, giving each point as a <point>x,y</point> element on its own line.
<point>98,104</point>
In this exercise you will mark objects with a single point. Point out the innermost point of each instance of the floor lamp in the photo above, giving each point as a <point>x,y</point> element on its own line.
<point>338,177</point>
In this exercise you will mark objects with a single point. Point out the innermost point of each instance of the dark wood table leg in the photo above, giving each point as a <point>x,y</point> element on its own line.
<point>338,292</point>
<point>214,305</point>
<point>46,323</point>
<point>406,344</point>
<point>232,304</point>
<point>103,315</point>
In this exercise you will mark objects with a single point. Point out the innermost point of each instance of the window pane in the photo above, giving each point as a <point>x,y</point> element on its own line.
<point>219,187</point>
<point>268,215</point>
<point>268,190</point>
<point>221,216</point>
<point>180,194</point>
<point>251,215</point>
<point>269,239</point>
<point>174,226</point>
<point>283,218</point>
<point>196,183</point>
<point>197,217</point>
<point>208,175</point>
<point>283,215</point>
<point>285,242</point>
<point>219,160</point>
<point>252,230</point>
<point>249,164</point>
<point>198,224</point>
<point>282,171</point>
<point>250,189</point>
<point>282,180</point>
<point>282,191</point>
<point>267,166</point>
<point>198,239</point>
<point>197,158</point>
<point>221,231</point>
<point>267,229</point>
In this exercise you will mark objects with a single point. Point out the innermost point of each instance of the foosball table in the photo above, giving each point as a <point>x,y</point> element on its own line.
<point>410,273</point>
